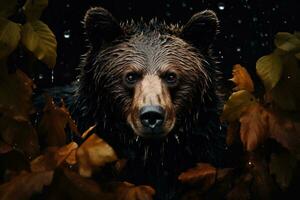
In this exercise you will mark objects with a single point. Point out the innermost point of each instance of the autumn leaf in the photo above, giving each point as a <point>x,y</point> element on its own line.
<point>242,79</point>
<point>237,103</point>
<point>287,42</point>
<point>132,192</point>
<point>19,133</point>
<point>52,158</point>
<point>204,174</point>
<point>53,123</point>
<point>8,8</point>
<point>25,185</point>
<point>269,69</point>
<point>253,126</point>
<point>285,131</point>
<point>10,34</point>
<point>232,132</point>
<point>282,166</point>
<point>285,94</point>
<point>39,39</point>
<point>94,153</point>
<point>241,190</point>
<point>16,91</point>
<point>33,9</point>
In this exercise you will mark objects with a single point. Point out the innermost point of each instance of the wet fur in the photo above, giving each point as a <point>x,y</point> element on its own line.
<point>198,135</point>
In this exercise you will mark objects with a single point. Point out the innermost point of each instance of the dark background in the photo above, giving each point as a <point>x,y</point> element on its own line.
<point>247,28</point>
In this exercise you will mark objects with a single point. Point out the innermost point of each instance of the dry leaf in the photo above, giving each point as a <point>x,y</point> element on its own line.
<point>282,166</point>
<point>254,127</point>
<point>52,158</point>
<point>242,79</point>
<point>93,153</point>
<point>132,192</point>
<point>54,122</point>
<point>25,185</point>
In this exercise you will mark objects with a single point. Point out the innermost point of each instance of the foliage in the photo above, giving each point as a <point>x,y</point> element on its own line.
<point>266,126</point>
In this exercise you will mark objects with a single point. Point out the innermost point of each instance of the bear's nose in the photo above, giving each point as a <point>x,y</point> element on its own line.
<point>152,117</point>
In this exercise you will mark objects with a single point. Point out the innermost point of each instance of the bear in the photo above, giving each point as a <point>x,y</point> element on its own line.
<point>154,92</point>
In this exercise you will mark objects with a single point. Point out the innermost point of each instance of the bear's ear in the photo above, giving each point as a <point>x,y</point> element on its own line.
<point>201,29</point>
<point>101,27</point>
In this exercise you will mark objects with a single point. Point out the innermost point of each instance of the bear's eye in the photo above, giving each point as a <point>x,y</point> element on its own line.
<point>171,78</point>
<point>131,78</point>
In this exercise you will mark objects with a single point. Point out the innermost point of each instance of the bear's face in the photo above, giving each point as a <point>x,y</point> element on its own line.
<point>152,72</point>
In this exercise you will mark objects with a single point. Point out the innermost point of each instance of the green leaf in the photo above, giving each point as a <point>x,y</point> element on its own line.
<point>287,41</point>
<point>33,9</point>
<point>237,103</point>
<point>8,8</point>
<point>9,37</point>
<point>39,39</point>
<point>269,69</point>
<point>286,93</point>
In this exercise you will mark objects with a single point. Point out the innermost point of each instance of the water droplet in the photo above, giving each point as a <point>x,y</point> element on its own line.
<point>41,76</point>
<point>285,22</point>
<point>266,34</point>
<point>129,8</point>
<point>191,8</point>
<point>222,57</point>
<point>168,14</point>
<point>239,21</point>
<point>255,19</point>
<point>220,52</point>
<point>273,9</point>
<point>168,5</point>
<point>288,76</point>
<point>221,6</point>
<point>68,5</point>
<point>232,36</point>
<point>52,76</point>
<point>78,80</point>
<point>183,4</point>
<point>67,34</point>
<point>238,49</point>
<point>137,138</point>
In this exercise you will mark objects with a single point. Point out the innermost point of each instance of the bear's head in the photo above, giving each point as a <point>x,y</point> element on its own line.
<point>150,77</point>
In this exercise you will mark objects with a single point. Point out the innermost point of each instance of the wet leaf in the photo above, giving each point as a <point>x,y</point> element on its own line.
<point>53,123</point>
<point>39,39</point>
<point>16,91</point>
<point>287,42</point>
<point>8,8</point>
<point>286,93</point>
<point>52,158</point>
<point>282,166</point>
<point>237,103</point>
<point>25,185</point>
<point>241,190</point>
<point>269,69</point>
<point>33,9</point>
<point>133,192</point>
<point>94,153</point>
<point>253,127</point>
<point>242,79</point>
<point>9,37</point>
<point>5,148</point>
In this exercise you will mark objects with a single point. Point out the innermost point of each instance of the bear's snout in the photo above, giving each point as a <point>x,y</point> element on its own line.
<point>152,118</point>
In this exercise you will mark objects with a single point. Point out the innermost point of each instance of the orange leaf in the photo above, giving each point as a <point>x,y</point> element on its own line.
<point>22,187</point>
<point>254,127</point>
<point>53,123</point>
<point>52,158</point>
<point>242,79</point>
<point>93,153</point>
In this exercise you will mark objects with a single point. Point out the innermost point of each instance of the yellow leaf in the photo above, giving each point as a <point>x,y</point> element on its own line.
<point>254,127</point>
<point>33,9</point>
<point>286,93</point>
<point>237,103</point>
<point>39,39</point>
<point>242,79</point>
<point>8,8</point>
<point>93,153</point>
<point>287,42</point>
<point>9,37</point>
<point>269,69</point>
